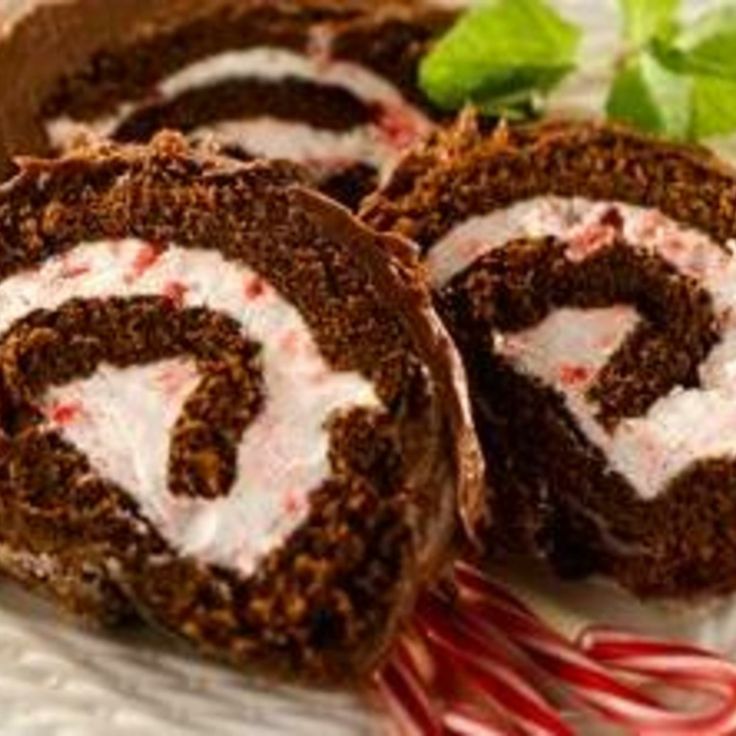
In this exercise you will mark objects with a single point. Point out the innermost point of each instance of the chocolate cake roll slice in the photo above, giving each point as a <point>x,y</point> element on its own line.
<point>327,83</point>
<point>589,277</point>
<point>225,405</point>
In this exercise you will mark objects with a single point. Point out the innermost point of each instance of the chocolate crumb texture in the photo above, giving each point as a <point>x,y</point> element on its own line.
<point>585,272</point>
<point>330,84</point>
<point>190,307</point>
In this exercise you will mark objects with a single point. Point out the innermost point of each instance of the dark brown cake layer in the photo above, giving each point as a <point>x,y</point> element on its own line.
<point>452,174</point>
<point>50,349</point>
<point>87,59</point>
<point>321,607</point>
<point>554,489</point>
<point>516,287</point>
<point>322,106</point>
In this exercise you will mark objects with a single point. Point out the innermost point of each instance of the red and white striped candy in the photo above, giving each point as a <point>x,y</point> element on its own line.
<point>485,663</point>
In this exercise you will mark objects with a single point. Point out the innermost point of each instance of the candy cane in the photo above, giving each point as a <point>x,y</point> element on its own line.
<point>672,663</point>
<point>404,692</point>
<point>471,667</point>
<point>485,670</point>
<point>475,684</point>
<point>464,720</point>
<point>589,666</point>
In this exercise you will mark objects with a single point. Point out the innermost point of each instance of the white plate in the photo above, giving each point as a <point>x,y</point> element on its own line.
<point>59,680</point>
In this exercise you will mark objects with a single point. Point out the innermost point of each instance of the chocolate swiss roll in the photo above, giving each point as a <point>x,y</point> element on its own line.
<point>589,278</point>
<point>330,84</point>
<point>225,406</point>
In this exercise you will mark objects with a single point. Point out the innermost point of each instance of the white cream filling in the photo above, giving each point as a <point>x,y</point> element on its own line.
<point>122,418</point>
<point>567,349</point>
<point>378,145</point>
<point>300,142</point>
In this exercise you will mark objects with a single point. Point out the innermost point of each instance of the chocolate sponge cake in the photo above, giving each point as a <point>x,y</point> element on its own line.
<point>327,83</point>
<point>588,275</point>
<point>225,405</point>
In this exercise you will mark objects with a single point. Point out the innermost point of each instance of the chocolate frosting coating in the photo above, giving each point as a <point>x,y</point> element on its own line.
<point>325,606</point>
<point>555,492</point>
<point>45,50</point>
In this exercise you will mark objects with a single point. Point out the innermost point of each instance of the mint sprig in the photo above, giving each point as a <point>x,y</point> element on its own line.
<point>713,107</point>
<point>687,76</point>
<point>501,56</point>
<point>708,46</point>
<point>647,19</point>
<point>672,78</point>
<point>650,97</point>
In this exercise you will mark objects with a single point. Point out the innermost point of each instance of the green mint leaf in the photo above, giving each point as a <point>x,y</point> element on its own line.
<point>668,55</point>
<point>708,46</point>
<point>649,96</point>
<point>647,19</point>
<point>712,104</point>
<point>714,107</point>
<point>516,106</point>
<point>500,50</point>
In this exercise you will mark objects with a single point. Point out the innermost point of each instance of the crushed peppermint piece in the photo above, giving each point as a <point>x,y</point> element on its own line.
<point>572,375</point>
<point>290,342</point>
<point>398,126</point>
<point>176,292</point>
<point>255,287</point>
<point>292,504</point>
<point>65,413</point>
<point>589,238</point>
<point>146,257</point>
<point>74,270</point>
